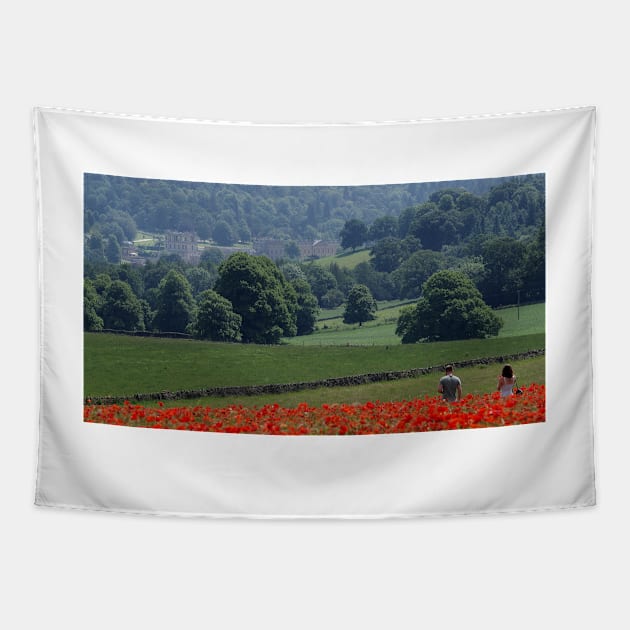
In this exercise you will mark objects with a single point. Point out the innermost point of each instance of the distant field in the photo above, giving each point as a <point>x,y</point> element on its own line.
<point>386,309</point>
<point>347,260</point>
<point>527,320</point>
<point>145,239</point>
<point>124,365</point>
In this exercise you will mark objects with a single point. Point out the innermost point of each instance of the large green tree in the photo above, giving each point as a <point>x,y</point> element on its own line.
<point>175,305</point>
<point>504,259</point>
<point>383,227</point>
<point>121,308</point>
<point>216,319</point>
<point>261,295</point>
<point>387,254</point>
<point>353,234</point>
<point>360,306</point>
<point>450,308</point>
<point>436,227</point>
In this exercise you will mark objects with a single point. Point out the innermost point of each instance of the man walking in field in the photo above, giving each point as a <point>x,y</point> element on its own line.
<point>450,386</point>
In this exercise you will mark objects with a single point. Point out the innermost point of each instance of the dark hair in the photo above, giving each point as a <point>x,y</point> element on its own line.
<point>507,371</point>
<point>448,368</point>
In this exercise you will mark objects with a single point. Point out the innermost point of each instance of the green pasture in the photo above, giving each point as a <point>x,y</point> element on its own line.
<point>123,365</point>
<point>526,320</point>
<point>348,260</point>
<point>386,310</point>
<point>475,380</point>
<point>145,239</point>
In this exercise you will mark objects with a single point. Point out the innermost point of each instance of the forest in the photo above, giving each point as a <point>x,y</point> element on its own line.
<point>291,212</point>
<point>484,248</point>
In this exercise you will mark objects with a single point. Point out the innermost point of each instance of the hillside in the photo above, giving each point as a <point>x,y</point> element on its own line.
<point>291,212</point>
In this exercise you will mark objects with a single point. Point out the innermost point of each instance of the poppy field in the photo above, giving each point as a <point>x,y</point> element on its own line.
<point>429,413</point>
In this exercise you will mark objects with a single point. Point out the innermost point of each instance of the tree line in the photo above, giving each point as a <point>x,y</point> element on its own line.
<point>242,298</point>
<point>230,213</point>
<point>497,241</point>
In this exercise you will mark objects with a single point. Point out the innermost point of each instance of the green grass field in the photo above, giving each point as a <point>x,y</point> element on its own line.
<point>526,320</point>
<point>475,380</point>
<point>348,260</point>
<point>123,365</point>
<point>385,309</point>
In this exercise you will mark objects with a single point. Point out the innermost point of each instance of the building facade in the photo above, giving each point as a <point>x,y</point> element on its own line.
<point>184,244</point>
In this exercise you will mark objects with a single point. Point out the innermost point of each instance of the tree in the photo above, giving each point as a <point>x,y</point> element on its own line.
<point>292,271</point>
<point>91,305</point>
<point>415,271</point>
<point>126,223</point>
<point>223,233</point>
<point>292,250</point>
<point>332,299</point>
<point>175,306</point>
<point>210,259</point>
<point>200,279</point>
<point>307,307</point>
<point>203,228</point>
<point>353,234</point>
<point>380,284</point>
<point>446,202</point>
<point>121,308</point>
<point>450,308</point>
<point>360,306</point>
<point>216,320</point>
<point>261,295</point>
<point>436,227</point>
<point>473,268</point>
<point>101,283</point>
<point>344,277</point>
<point>406,218</point>
<point>95,248</point>
<point>504,258</point>
<point>132,275</point>
<point>383,227</point>
<point>113,231</point>
<point>386,254</point>
<point>320,279</point>
<point>534,267</point>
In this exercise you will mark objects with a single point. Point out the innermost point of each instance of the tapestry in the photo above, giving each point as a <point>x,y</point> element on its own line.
<point>358,320</point>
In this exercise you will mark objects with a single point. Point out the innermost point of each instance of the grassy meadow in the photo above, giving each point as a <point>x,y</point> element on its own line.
<point>122,365</point>
<point>475,380</point>
<point>347,260</point>
<point>331,330</point>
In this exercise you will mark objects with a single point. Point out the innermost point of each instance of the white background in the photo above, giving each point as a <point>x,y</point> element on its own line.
<point>324,61</point>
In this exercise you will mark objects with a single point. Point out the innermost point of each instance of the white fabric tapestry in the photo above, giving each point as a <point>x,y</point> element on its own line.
<point>362,320</point>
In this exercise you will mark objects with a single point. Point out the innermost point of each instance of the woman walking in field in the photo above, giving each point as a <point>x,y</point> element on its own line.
<point>507,381</point>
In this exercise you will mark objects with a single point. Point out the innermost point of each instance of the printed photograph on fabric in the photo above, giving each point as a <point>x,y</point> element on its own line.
<point>314,310</point>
